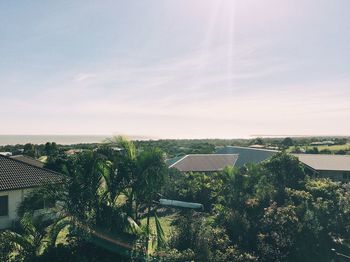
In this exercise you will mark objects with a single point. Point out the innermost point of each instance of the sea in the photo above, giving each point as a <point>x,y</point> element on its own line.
<point>63,139</point>
<point>59,139</point>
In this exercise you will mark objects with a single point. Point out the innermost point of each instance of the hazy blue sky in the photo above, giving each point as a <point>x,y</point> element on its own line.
<point>175,68</point>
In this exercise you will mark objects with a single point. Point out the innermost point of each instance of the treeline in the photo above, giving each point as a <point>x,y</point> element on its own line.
<point>179,147</point>
<point>315,150</point>
<point>47,149</point>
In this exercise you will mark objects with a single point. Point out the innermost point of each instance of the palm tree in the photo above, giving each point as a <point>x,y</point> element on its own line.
<point>31,239</point>
<point>87,200</point>
<point>143,175</point>
<point>91,197</point>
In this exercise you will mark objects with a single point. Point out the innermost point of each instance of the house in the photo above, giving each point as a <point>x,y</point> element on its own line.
<point>203,162</point>
<point>17,179</point>
<point>73,151</point>
<point>28,160</point>
<point>335,167</point>
<point>323,143</point>
<point>247,155</point>
<point>257,146</point>
<point>5,153</point>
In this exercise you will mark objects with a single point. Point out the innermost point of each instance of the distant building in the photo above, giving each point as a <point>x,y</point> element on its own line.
<point>323,143</point>
<point>335,167</point>
<point>257,146</point>
<point>17,179</point>
<point>74,151</point>
<point>28,160</point>
<point>247,155</point>
<point>5,153</point>
<point>203,162</point>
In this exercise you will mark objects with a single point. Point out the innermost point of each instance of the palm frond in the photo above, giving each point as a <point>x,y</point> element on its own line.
<point>56,229</point>
<point>160,232</point>
<point>133,227</point>
<point>21,242</point>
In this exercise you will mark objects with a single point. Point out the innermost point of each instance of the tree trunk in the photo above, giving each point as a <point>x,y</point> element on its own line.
<point>147,228</point>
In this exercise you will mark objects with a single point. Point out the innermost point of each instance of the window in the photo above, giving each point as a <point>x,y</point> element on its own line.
<point>4,205</point>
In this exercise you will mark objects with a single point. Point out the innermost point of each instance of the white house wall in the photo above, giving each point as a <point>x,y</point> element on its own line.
<point>14,198</point>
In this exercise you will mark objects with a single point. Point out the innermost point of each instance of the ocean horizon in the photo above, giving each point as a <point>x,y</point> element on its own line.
<point>89,139</point>
<point>59,139</point>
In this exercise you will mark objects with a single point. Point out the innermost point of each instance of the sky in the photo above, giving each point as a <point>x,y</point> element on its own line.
<point>175,69</point>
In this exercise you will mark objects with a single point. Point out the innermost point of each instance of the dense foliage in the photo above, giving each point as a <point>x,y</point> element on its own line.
<point>104,195</point>
<point>270,211</point>
<point>180,147</point>
<point>265,212</point>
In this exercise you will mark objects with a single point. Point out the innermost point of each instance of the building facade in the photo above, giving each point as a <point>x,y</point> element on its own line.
<point>335,167</point>
<point>17,179</point>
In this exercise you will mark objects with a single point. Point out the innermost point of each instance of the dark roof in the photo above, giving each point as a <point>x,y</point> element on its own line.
<point>28,160</point>
<point>15,174</point>
<point>247,154</point>
<point>204,162</point>
<point>325,162</point>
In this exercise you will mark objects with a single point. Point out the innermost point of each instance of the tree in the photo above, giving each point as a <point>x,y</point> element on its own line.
<point>33,236</point>
<point>198,239</point>
<point>105,192</point>
<point>80,207</point>
<point>60,162</point>
<point>287,142</point>
<point>270,212</point>
<point>29,150</point>
<point>151,171</point>
<point>258,141</point>
<point>51,148</point>
<point>284,171</point>
<point>138,176</point>
<point>313,150</point>
<point>277,237</point>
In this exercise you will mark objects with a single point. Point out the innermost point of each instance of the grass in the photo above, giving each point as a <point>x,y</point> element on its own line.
<point>165,221</point>
<point>43,159</point>
<point>332,148</point>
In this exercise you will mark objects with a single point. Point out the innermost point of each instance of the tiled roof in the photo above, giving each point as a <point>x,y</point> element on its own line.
<point>204,162</point>
<point>325,162</point>
<point>28,160</point>
<point>247,154</point>
<point>15,174</point>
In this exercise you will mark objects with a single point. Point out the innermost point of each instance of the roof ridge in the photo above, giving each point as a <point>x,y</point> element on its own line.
<point>211,154</point>
<point>25,156</point>
<point>252,148</point>
<point>333,155</point>
<point>182,158</point>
